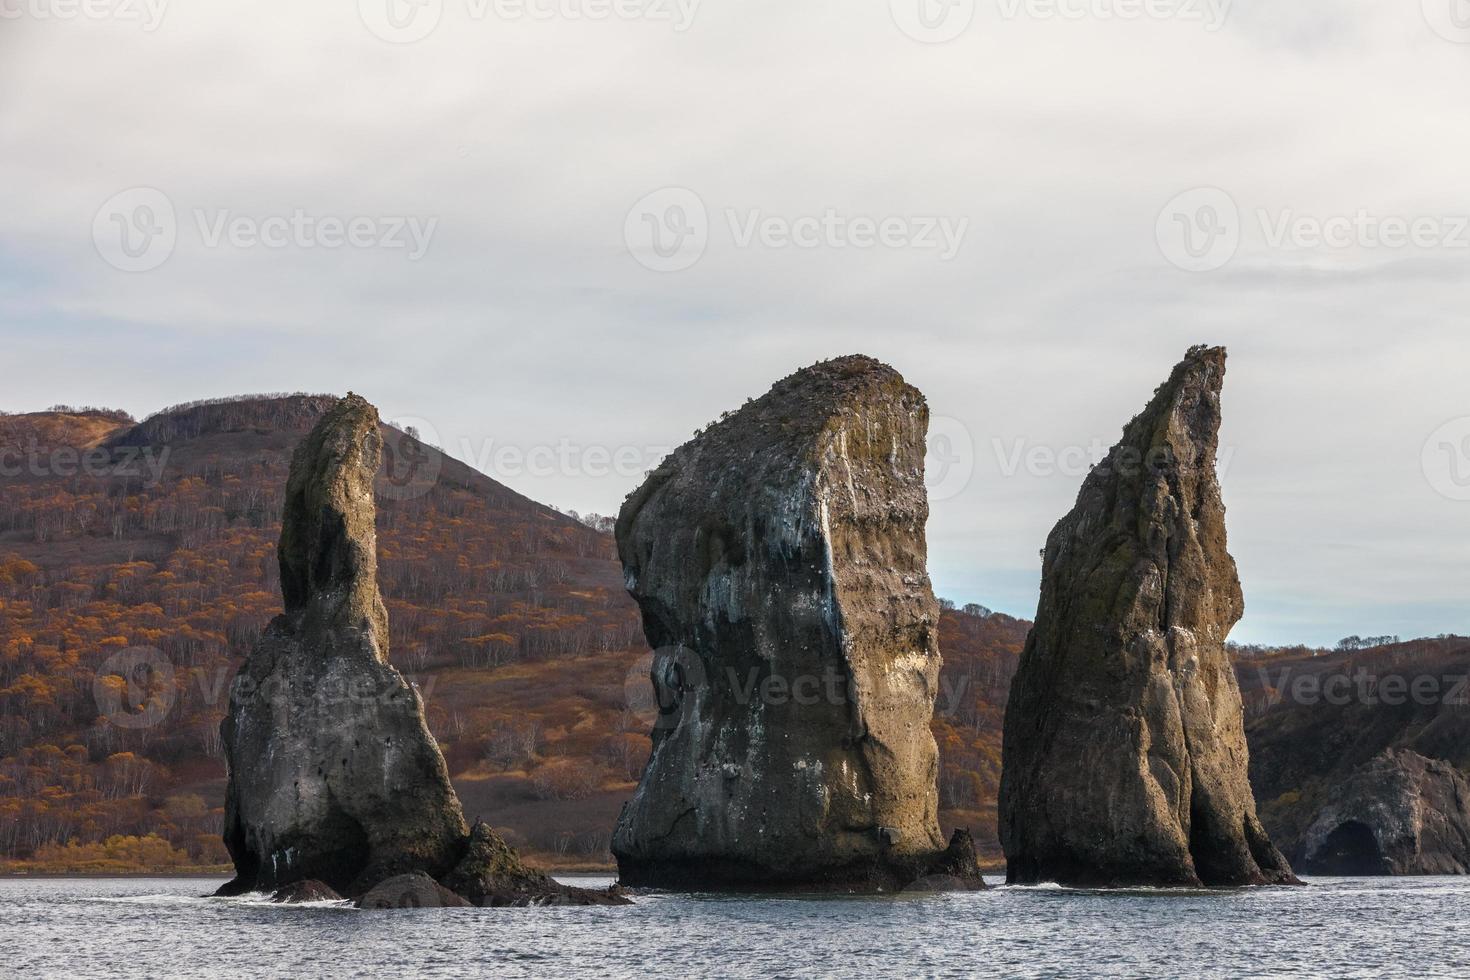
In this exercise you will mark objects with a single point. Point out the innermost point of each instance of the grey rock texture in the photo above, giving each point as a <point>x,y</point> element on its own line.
<point>411,891</point>
<point>779,562</point>
<point>1400,814</point>
<point>333,774</point>
<point>309,890</point>
<point>1125,760</point>
<point>491,874</point>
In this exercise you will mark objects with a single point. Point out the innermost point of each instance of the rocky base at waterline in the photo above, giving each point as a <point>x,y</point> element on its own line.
<point>1400,814</point>
<point>1125,759</point>
<point>492,875</point>
<point>953,869</point>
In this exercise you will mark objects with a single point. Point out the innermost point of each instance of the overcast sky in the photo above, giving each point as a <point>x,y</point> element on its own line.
<point>519,224</point>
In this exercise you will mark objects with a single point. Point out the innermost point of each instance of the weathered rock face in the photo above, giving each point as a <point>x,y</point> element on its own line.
<point>1400,814</point>
<point>1124,752</point>
<point>780,565</point>
<point>411,891</point>
<point>491,874</point>
<point>333,773</point>
<point>310,890</point>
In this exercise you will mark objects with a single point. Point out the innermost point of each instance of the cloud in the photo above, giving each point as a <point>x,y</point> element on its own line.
<point>527,138</point>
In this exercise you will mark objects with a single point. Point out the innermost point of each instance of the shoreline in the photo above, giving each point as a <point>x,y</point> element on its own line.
<point>24,875</point>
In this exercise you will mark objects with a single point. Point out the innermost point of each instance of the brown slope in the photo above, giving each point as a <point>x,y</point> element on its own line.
<point>1315,721</point>
<point>107,560</point>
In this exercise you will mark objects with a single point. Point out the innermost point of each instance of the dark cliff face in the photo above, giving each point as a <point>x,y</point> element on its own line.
<point>780,565</point>
<point>1125,756</point>
<point>1399,814</point>
<point>1317,724</point>
<point>333,773</point>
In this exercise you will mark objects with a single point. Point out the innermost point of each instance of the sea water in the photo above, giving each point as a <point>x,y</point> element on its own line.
<point>165,927</point>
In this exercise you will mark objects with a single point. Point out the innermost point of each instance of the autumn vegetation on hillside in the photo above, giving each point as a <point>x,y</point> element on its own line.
<point>137,566</point>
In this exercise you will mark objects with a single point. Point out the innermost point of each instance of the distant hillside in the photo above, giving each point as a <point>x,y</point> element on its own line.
<point>1312,720</point>
<point>120,538</point>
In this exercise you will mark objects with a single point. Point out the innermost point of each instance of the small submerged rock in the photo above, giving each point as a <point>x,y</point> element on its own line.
<point>411,891</point>
<point>491,874</point>
<point>309,890</point>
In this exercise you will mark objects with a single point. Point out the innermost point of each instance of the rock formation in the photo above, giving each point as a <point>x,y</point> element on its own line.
<point>1124,751</point>
<point>411,891</point>
<point>778,560</point>
<point>491,874</point>
<point>308,890</point>
<point>333,772</point>
<point>1400,814</point>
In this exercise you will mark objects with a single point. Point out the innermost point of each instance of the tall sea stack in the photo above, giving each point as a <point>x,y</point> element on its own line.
<point>780,565</point>
<point>1125,756</point>
<point>333,773</point>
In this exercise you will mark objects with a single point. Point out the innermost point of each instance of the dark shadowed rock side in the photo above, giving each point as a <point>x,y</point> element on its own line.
<point>779,562</point>
<point>1400,814</point>
<point>1124,750</point>
<point>333,774</point>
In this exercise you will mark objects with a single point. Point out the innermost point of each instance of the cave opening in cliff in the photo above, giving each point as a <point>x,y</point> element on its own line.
<point>1349,851</point>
